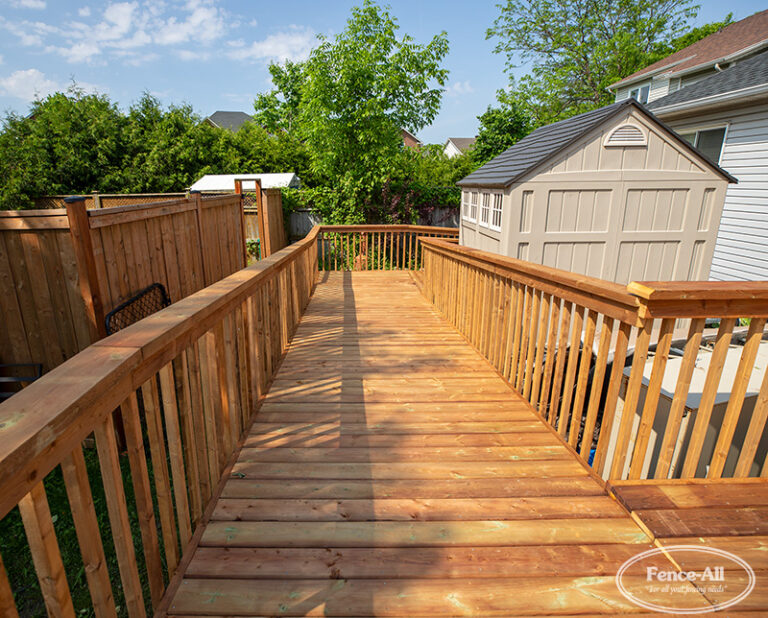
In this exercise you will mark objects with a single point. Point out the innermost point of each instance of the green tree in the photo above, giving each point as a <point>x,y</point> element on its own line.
<point>579,47</point>
<point>360,89</point>
<point>69,142</point>
<point>278,110</point>
<point>500,128</point>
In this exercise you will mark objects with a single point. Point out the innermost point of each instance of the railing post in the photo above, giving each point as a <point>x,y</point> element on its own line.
<point>88,280</point>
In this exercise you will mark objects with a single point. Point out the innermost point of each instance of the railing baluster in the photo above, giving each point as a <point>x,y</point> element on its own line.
<point>530,355</point>
<point>46,556</point>
<point>562,355</point>
<point>606,332</point>
<point>142,493</point>
<point>539,362</point>
<point>109,460</point>
<point>549,365</point>
<point>738,390</point>
<point>612,396</point>
<point>583,377</point>
<point>7,605</point>
<point>631,399</point>
<point>522,337</point>
<point>707,402</point>
<point>652,393</point>
<point>570,372</point>
<point>175,452</point>
<point>754,433</point>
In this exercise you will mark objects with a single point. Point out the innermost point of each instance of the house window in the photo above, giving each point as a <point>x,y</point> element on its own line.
<point>485,209</point>
<point>640,94</point>
<point>708,141</point>
<point>473,207</point>
<point>496,214</point>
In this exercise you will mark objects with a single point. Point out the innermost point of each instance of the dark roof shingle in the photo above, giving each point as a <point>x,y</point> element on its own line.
<point>539,146</point>
<point>229,120</point>
<point>742,75</point>
<point>546,142</point>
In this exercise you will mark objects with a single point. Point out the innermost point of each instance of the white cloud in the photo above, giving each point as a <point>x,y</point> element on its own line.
<point>458,89</point>
<point>84,11</point>
<point>204,23</point>
<point>294,44</point>
<point>28,84</point>
<point>29,4</point>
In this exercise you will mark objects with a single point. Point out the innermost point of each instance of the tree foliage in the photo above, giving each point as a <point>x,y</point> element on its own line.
<point>278,109</point>
<point>76,143</point>
<point>359,90</point>
<point>579,47</point>
<point>500,128</point>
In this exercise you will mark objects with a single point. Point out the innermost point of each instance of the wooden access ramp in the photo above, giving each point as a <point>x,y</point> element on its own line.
<point>391,471</point>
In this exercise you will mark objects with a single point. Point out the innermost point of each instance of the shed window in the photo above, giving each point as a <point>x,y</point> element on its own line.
<point>473,207</point>
<point>496,215</point>
<point>465,204</point>
<point>627,135</point>
<point>485,209</point>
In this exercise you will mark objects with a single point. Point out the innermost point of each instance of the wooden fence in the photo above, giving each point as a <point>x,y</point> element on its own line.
<point>109,200</point>
<point>63,270</point>
<point>375,247</point>
<point>186,381</point>
<point>562,341</point>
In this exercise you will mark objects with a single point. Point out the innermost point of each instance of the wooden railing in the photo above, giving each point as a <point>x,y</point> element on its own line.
<point>566,343</point>
<point>375,247</point>
<point>186,381</point>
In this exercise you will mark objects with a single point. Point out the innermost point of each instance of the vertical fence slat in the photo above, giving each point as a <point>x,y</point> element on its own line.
<point>583,377</point>
<point>7,604</point>
<point>675,417</point>
<point>157,452</point>
<point>707,402</point>
<point>631,399</point>
<point>612,397</point>
<point>652,394</point>
<point>736,401</point>
<point>598,379</point>
<point>109,460</point>
<point>41,536</point>
<point>175,452</point>
<point>755,431</point>
<point>143,495</point>
<point>88,536</point>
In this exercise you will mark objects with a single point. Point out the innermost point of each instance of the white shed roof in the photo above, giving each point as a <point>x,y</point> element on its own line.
<point>226,182</point>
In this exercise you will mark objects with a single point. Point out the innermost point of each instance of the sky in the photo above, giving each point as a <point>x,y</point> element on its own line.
<point>213,54</point>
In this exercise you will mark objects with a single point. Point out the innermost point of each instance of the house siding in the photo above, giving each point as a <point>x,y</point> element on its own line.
<point>741,250</point>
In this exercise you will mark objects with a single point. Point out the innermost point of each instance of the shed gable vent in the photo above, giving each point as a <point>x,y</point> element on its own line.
<point>627,135</point>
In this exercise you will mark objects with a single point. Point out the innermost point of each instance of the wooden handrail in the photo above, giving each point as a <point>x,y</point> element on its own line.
<point>200,365</point>
<point>561,340</point>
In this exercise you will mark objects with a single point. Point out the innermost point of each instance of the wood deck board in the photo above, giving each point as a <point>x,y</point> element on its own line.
<point>391,471</point>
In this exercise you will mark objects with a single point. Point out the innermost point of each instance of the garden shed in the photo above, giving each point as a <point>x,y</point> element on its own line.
<point>611,193</point>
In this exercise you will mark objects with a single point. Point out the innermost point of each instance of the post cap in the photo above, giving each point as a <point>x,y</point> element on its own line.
<point>73,199</point>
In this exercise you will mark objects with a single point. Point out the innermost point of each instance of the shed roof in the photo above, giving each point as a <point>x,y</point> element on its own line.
<point>546,142</point>
<point>223,183</point>
<point>741,78</point>
<point>733,41</point>
<point>229,120</point>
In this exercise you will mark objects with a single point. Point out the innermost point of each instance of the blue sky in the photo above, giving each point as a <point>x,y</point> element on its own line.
<point>214,54</point>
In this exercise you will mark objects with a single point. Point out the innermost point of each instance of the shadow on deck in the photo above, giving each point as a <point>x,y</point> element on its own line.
<point>390,470</point>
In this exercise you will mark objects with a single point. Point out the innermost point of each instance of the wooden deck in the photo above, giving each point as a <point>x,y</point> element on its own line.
<point>391,471</point>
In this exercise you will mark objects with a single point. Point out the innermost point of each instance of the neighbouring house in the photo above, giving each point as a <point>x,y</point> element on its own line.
<point>232,121</point>
<point>454,146</point>
<point>726,116</point>
<point>710,55</point>
<point>225,183</point>
<point>612,193</point>
<point>715,94</point>
<point>409,139</point>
